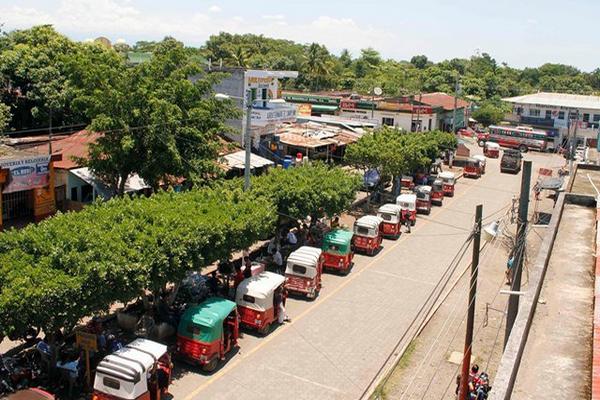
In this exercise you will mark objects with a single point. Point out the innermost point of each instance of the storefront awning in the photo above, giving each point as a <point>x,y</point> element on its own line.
<point>324,108</point>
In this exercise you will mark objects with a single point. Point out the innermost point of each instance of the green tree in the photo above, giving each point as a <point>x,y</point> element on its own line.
<point>491,113</point>
<point>4,116</point>
<point>317,64</point>
<point>420,61</point>
<point>155,121</point>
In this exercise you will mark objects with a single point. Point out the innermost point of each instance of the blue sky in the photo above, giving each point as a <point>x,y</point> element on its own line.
<point>520,33</point>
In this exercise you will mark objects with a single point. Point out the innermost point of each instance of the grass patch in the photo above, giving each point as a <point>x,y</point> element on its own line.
<point>381,391</point>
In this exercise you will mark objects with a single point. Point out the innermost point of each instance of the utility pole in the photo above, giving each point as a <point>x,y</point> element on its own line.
<point>50,134</point>
<point>456,89</point>
<point>466,363</point>
<point>518,251</point>
<point>419,112</point>
<point>248,139</point>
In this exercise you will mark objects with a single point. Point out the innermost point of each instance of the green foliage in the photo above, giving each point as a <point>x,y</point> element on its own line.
<point>4,116</point>
<point>156,122</point>
<point>393,152</point>
<point>76,264</point>
<point>491,112</point>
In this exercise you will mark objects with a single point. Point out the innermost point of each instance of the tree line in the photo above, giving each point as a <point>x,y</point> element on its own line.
<point>75,265</point>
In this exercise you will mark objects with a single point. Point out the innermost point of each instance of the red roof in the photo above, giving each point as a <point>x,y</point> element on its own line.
<point>75,145</point>
<point>442,100</point>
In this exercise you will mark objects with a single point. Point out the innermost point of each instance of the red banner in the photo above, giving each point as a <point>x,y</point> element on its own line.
<point>348,104</point>
<point>26,173</point>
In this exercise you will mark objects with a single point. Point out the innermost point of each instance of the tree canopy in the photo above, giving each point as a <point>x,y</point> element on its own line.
<point>76,264</point>
<point>393,152</point>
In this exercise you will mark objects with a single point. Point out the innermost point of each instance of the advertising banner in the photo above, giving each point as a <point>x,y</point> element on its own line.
<point>26,173</point>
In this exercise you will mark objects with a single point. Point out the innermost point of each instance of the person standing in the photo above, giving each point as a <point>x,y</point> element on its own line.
<point>278,261</point>
<point>509,270</point>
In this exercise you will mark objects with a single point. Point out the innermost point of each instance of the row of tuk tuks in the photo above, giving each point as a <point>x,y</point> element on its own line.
<point>207,331</point>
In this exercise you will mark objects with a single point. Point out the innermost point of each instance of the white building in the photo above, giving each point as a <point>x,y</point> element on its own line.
<point>269,110</point>
<point>558,113</point>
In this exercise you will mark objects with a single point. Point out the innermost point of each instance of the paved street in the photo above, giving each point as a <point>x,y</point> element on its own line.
<point>335,345</point>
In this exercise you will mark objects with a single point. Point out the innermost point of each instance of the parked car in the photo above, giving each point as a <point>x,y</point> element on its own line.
<point>511,161</point>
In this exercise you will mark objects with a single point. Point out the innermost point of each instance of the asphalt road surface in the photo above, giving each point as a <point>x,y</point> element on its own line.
<point>335,345</point>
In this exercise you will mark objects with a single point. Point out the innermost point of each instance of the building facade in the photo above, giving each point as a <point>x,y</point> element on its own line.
<point>26,187</point>
<point>562,115</point>
<point>268,109</point>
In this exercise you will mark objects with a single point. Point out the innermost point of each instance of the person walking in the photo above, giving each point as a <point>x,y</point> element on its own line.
<point>509,270</point>
<point>278,261</point>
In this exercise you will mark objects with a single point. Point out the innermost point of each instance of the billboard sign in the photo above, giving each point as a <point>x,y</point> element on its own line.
<point>26,173</point>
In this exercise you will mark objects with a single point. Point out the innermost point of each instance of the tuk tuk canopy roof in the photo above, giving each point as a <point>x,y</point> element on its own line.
<point>480,158</point>
<point>492,145</point>
<point>129,366</point>
<point>340,239</point>
<point>208,317</point>
<point>423,189</point>
<point>306,256</point>
<point>261,287</point>
<point>369,221</point>
<point>407,201</point>
<point>446,175</point>
<point>390,208</point>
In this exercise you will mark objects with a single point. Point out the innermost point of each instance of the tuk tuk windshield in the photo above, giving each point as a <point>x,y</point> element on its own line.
<point>361,230</point>
<point>422,195</point>
<point>337,242</point>
<point>387,217</point>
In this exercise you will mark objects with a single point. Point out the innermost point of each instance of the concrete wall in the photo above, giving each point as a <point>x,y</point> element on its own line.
<point>401,120</point>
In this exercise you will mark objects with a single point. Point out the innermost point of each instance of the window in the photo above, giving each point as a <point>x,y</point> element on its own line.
<point>361,230</point>
<point>561,115</point>
<point>534,112</point>
<point>573,115</point>
<point>74,194</point>
<point>387,121</point>
<point>111,383</point>
<point>596,117</point>
<point>429,124</point>
<point>265,97</point>
<point>86,193</point>
<point>386,217</point>
<point>248,299</point>
<point>548,114</point>
<point>253,93</point>
<point>193,329</point>
<point>299,269</point>
<point>586,117</point>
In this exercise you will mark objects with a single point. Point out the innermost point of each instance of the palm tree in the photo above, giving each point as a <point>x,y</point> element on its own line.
<point>317,63</point>
<point>239,56</point>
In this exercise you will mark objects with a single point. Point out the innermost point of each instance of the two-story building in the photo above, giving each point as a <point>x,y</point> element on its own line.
<point>268,108</point>
<point>560,114</point>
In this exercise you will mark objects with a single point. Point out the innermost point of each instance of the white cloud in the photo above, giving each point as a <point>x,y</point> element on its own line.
<point>532,21</point>
<point>215,9</point>
<point>278,17</point>
<point>123,19</point>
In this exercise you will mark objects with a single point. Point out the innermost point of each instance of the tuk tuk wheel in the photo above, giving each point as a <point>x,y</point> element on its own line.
<point>264,331</point>
<point>211,365</point>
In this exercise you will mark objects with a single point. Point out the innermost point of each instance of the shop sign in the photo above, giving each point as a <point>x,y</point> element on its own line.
<point>26,173</point>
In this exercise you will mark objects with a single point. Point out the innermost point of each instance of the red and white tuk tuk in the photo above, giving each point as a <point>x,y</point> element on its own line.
<point>255,300</point>
<point>472,168</point>
<point>482,162</point>
<point>423,193</point>
<point>139,371</point>
<point>390,214</point>
<point>491,149</point>
<point>407,182</point>
<point>303,271</point>
<point>448,182</point>
<point>437,192</point>
<point>408,204</point>
<point>367,234</point>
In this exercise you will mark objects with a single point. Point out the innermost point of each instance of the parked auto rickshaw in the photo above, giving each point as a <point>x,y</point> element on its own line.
<point>141,371</point>
<point>449,180</point>
<point>390,214</point>
<point>423,193</point>
<point>482,162</point>
<point>367,234</point>
<point>207,332</point>
<point>407,182</point>
<point>408,203</point>
<point>472,168</point>
<point>337,250</point>
<point>437,192</point>
<point>303,271</point>
<point>491,149</point>
<point>255,301</point>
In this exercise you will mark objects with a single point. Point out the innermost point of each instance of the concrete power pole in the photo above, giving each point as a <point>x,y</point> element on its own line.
<point>466,363</point>
<point>519,251</point>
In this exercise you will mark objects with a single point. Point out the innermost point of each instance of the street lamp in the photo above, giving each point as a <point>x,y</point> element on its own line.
<point>247,141</point>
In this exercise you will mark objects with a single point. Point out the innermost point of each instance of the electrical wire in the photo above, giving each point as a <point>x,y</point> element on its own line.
<point>450,269</point>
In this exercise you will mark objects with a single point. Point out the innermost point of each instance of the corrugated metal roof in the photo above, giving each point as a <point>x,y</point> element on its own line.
<point>558,100</point>
<point>238,160</point>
